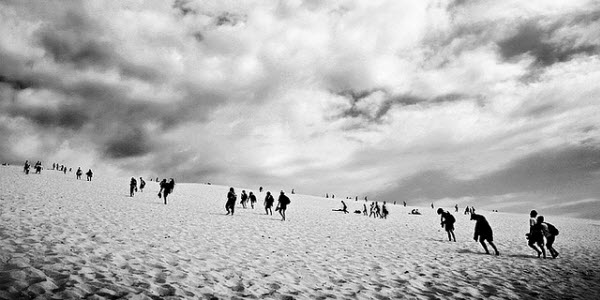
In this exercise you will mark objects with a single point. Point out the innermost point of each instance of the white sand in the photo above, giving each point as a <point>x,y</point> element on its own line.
<point>61,238</point>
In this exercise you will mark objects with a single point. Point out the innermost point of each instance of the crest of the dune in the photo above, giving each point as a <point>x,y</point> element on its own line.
<point>63,238</point>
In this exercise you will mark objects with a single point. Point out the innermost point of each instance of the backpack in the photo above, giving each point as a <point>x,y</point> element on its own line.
<point>552,229</point>
<point>286,200</point>
<point>450,219</point>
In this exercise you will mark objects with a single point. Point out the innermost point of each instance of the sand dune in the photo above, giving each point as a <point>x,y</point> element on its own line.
<point>61,238</point>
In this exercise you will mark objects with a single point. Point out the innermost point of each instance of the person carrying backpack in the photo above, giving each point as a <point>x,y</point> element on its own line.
<point>282,204</point>
<point>550,232</point>
<point>447,221</point>
<point>132,187</point>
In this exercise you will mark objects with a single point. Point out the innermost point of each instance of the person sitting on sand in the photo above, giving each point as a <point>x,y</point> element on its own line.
<point>252,198</point>
<point>166,188</point>
<point>230,204</point>
<point>447,220</point>
<point>269,200</point>
<point>344,208</point>
<point>142,184</point>
<point>483,232</point>
<point>535,235</point>
<point>89,174</point>
<point>132,186</point>
<point>243,198</point>
<point>549,235</point>
<point>282,204</point>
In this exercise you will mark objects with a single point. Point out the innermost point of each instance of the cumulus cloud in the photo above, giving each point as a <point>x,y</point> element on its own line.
<point>346,97</point>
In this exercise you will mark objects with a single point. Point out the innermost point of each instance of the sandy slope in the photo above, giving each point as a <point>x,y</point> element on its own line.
<point>63,238</point>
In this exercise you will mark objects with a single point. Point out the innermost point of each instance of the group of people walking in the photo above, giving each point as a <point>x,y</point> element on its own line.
<point>538,230</point>
<point>282,202</point>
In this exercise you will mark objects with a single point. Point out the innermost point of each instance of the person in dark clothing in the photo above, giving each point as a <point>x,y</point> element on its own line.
<point>26,167</point>
<point>282,204</point>
<point>365,212</point>
<point>243,198</point>
<point>142,184</point>
<point>269,200</point>
<point>549,235</point>
<point>344,208</point>
<point>78,173</point>
<point>132,187</point>
<point>166,188</point>
<point>447,220</point>
<point>231,198</point>
<point>483,232</point>
<point>89,174</point>
<point>456,208</point>
<point>252,198</point>
<point>535,235</point>
<point>384,211</point>
<point>260,189</point>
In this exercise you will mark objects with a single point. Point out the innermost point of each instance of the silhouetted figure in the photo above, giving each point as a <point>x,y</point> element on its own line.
<point>550,233</point>
<point>414,211</point>
<point>260,189</point>
<point>447,221</point>
<point>282,204</point>
<point>252,199</point>
<point>456,208</point>
<point>26,167</point>
<point>377,210</point>
<point>332,196</point>
<point>326,195</point>
<point>483,232</point>
<point>344,208</point>
<point>356,198</point>
<point>132,187</point>
<point>404,203</point>
<point>166,188</point>
<point>467,211</point>
<point>230,204</point>
<point>431,205</point>
<point>365,212</point>
<point>78,173</point>
<point>38,167</point>
<point>384,211</point>
<point>142,184</point>
<point>269,200</point>
<point>293,191</point>
<point>243,198</point>
<point>89,174</point>
<point>535,236</point>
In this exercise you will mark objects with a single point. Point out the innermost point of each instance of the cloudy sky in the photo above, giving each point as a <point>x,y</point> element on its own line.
<point>494,104</point>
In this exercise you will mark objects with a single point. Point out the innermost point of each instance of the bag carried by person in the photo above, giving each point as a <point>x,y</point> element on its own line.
<point>552,229</point>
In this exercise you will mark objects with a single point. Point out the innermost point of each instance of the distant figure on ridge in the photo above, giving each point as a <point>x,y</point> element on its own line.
<point>456,208</point>
<point>483,232</point>
<point>282,204</point>
<point>269,200</point>
<point>252,198</point>
<point>166,188</point>
<point>132,187</point>
<point>384,211</point>
<point>260,189</point>
<point>536,235</point>
<point>26,167</point>
<point>365,212</point>
<point>78,173</point>
<point>89,174</point>
<point>447,221</point>
<point>142,184</point>
<point>230,204</point>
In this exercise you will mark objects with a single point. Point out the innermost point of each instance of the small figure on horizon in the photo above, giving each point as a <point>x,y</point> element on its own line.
<point>282,204</point>
<point>78,173</point>
<point>456,208</point>
<point>142,184</point>
<point>365,212</point>
<point>344,208</point>
<point>230,204</point>
<point>252,199</point>
<point>132,187</point>
<point>535,235</point>
<point>166,188</point>
<point>447,221</point>
<point>467,210</point>
<point>269,200</point>
<point>384,211</point>
<point>326,195</point>
<point>483,232</point>
<point>432,206</point>
<point>293,191</point>
<point>260,189</point>
<point>89,174</point>
<point>243,198</point>
<point>404,203</point>
<point>26,167</point>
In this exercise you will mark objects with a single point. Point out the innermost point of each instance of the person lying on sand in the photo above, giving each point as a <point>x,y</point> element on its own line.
<point>483,232</point>
<point>344,208</point>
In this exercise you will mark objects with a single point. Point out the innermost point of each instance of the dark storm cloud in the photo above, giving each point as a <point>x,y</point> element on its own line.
<point>569,170</point>
<point>129,141</point>
<point>354,97</point>
<point>533,39</point>
<point>15,83</point>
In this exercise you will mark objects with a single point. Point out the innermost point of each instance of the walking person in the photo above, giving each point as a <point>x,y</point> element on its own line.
<point>535,235</point>
<point>483,232</point>
<point>142,184</point>
<point>78,173</point>
<point>384,211</point>
<point>550,233</point>
<point>252,198</point>
<point>365,212</point>
<point>89,174</point>
<point>243,198</point>
<point>282,204</point>
<point>230,204</point>
<point>269,200</point>
<point>166,188</point>
<point>132,187</point>
<point>447,221</point>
